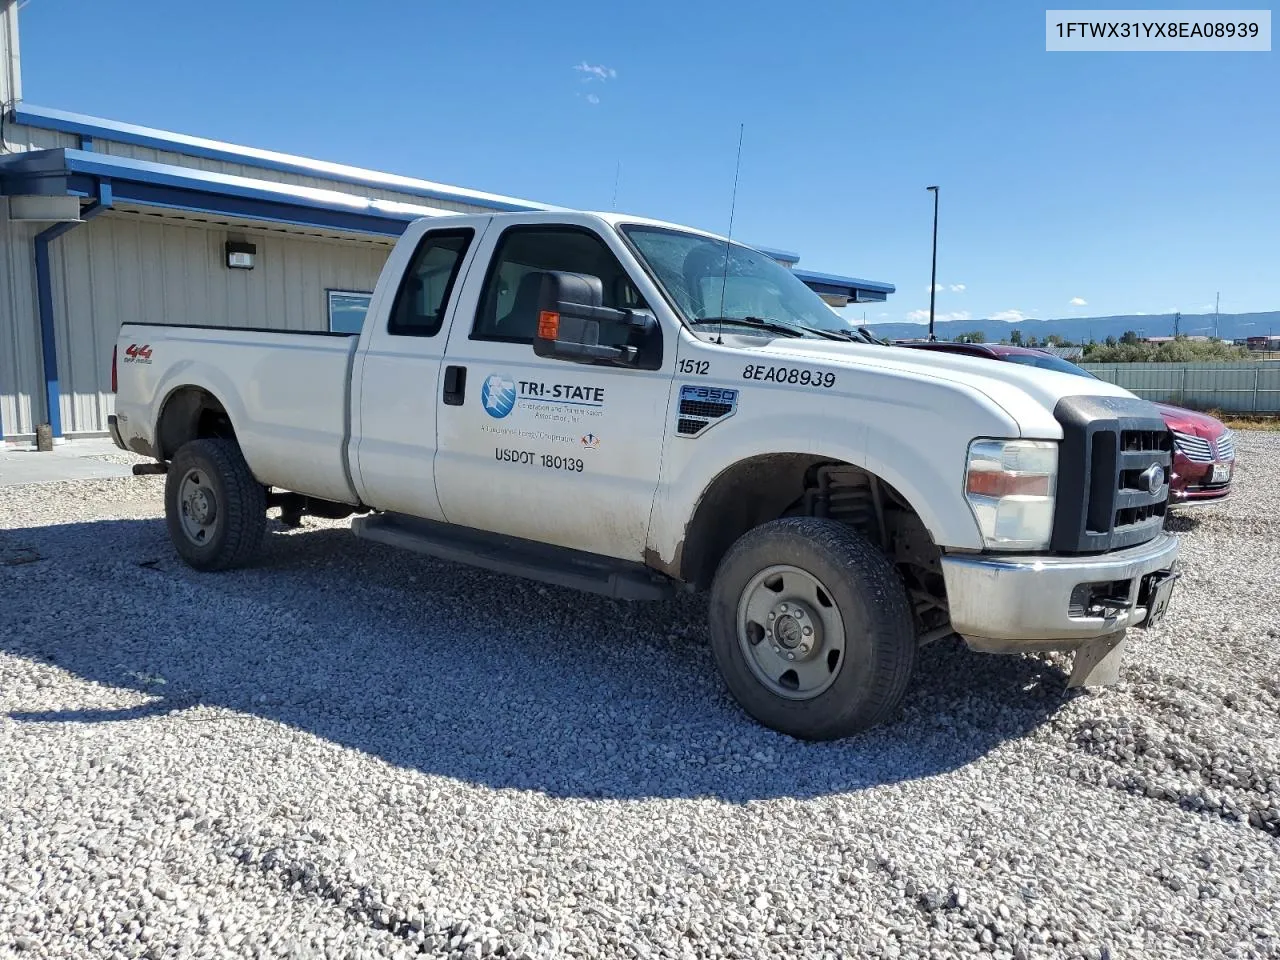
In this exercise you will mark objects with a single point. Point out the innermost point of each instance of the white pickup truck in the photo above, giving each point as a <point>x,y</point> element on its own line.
<point>632,407</point>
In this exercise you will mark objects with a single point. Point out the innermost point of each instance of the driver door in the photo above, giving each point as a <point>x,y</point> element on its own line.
<point>541,448</point>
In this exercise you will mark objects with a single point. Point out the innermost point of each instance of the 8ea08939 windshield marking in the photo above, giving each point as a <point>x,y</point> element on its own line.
<point>805,378</point>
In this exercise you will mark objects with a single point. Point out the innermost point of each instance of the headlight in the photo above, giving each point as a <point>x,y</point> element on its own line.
<point>1010,485</point>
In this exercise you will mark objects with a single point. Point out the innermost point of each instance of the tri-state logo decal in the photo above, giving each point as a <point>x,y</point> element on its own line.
<point>498,395</point>
<point>566,402</point>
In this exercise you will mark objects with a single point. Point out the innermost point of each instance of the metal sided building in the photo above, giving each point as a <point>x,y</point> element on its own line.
<point>103,222</point>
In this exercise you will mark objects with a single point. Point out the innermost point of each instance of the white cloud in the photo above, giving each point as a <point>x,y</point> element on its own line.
<point>957,288</point>
<point>936,286</point>
<point>596,71</point>
<point>922,316</point>
<point>592,99</point>
<point>1079,302</point>
<point>1012,316</point>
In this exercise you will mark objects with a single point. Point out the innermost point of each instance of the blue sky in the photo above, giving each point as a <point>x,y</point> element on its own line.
<point>1135,182</point>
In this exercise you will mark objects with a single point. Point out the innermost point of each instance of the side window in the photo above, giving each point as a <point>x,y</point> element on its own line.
<point>509,307</point>
<point>423,296</point>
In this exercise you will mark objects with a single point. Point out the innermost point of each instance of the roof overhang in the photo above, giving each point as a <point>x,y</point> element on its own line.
<point>79,173</point>
<point>850,289</point>
<point>67,172</point>
<point>87,127</point>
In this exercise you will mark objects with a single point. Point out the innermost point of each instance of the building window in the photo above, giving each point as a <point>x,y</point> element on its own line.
<point>347,309</point>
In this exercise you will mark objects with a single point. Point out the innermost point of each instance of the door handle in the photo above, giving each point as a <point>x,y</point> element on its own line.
<point>455,385</point>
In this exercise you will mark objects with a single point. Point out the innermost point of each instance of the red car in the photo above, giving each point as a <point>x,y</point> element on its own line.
<point>1204,452</point>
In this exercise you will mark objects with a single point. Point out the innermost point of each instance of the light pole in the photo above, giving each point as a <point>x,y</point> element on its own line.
<point>933,275</point>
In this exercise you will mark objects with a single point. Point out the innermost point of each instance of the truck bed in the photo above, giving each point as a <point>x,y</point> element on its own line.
<point>287,394</point>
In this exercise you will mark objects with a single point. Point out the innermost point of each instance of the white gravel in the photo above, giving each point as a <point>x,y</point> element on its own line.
<point>352,752</point>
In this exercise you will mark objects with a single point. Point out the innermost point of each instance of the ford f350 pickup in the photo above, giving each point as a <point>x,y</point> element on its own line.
<point>631,407</point>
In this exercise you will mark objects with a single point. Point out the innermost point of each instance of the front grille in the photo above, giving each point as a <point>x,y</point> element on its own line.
<point>1113,450</point>
<point>1199,450</point>
<point>1195,449</point>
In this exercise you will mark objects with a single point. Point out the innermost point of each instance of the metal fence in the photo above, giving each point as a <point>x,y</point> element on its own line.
<point>1250,387</point>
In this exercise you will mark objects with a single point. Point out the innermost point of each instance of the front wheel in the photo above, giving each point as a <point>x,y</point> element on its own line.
<point>811,629</point>
<point>215,510</point>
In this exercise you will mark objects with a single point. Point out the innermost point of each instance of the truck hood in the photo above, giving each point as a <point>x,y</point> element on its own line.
<point>1027,394</point>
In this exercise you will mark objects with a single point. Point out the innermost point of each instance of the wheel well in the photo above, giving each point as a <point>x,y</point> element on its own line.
<point>190,413</point>
<point>761,489</point>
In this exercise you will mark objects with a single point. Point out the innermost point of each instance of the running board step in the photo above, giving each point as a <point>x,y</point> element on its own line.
<point>512,555</point>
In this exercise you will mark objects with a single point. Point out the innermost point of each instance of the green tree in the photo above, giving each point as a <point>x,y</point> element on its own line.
<point>973,336</point>
<point>1111,341</point>
<point>1129,337</point>
<point>1016,338</point>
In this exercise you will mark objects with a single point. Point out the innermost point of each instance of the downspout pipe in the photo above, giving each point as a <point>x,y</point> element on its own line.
<point>44,303</point>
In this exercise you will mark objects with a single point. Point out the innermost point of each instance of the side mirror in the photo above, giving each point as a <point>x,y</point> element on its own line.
<point>574,326</point>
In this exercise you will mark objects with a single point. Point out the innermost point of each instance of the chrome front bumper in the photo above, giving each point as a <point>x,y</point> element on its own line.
<point>1009,602</point>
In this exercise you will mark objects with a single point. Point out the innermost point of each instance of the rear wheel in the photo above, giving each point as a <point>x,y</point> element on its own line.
<point>811,629</point>
<point>215,510</point>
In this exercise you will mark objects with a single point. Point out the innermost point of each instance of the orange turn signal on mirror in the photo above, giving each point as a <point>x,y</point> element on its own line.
<point>548,325</point>
<point>996,483</point>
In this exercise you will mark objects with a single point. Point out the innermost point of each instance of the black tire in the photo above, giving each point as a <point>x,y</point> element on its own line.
<point>879,647</point>
<point>239,522</point>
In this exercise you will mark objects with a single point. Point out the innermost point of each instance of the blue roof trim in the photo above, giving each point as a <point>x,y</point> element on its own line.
<point>156,184</point>
<point>65,170</point>
<point>63,121</point>
<point>834,280</point>
<point>785,255</point>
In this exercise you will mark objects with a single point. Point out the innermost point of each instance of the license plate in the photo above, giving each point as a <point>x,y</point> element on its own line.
<point>1159,589</point>
<point>1221,473</point>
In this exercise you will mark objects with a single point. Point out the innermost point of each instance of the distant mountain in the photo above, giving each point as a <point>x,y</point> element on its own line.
<point>1078,329</point>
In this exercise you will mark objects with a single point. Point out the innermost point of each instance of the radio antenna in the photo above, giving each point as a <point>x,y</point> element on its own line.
<point>733,206</point>
<point>617,175</point>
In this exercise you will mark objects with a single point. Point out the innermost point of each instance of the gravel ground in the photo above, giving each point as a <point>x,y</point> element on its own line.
<point>351,752</point>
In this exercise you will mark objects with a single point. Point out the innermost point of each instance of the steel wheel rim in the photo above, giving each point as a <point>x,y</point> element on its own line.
<point>197,506</point>
<point>791,632</point>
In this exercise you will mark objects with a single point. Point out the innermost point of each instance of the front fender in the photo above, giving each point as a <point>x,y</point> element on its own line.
<point>925,464</point>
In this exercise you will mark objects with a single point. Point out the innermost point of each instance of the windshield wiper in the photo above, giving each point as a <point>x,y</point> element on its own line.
<point>755,323</point>
<point>777,326</point>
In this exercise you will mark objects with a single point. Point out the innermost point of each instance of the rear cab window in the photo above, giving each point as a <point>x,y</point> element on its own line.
<point>425,288</point>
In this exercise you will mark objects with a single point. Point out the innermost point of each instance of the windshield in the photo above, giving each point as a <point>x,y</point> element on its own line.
<point>691,269</point>
<point>1046,361</point>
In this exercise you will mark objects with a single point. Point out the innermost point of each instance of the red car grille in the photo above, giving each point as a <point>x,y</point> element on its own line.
<point>1200,450</point>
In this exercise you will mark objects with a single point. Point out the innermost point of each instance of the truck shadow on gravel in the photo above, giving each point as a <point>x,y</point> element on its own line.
<point>461,673</point>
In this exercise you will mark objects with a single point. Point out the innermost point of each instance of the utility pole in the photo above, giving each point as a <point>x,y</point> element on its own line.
<point>1215,316</point>
<point>933,275</point>
<point>1177,322</point>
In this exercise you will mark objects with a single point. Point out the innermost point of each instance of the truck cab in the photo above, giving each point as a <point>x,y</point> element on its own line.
<point>635,407</point>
